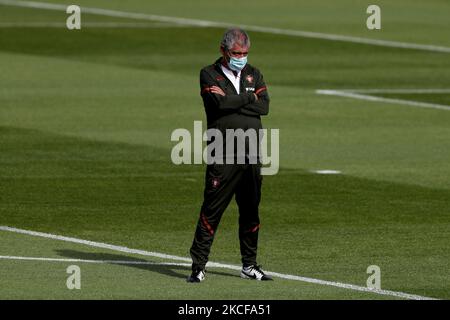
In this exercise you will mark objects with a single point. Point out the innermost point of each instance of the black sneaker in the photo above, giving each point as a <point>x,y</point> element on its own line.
<point>197,276</point>
<point>254,272</point>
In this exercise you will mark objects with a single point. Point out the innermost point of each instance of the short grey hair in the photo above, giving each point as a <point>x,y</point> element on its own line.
<point>233,36</point>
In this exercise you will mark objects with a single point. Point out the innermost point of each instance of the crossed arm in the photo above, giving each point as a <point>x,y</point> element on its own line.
<point>252,104</point>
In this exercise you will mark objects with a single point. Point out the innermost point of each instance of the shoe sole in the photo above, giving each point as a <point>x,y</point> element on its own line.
<point>195,280</point>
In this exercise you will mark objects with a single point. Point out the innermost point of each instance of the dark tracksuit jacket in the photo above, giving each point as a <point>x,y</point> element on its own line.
<point>235,110</point>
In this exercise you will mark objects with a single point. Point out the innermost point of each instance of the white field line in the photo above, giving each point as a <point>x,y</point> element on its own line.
<point>399,91</point>
<point>143,25</point>
<point>206,23</point>
<point>326,171</point>
<point>217,265</point>
<point>354,95</point>
<point>125,262</point>
<point>95,244</point>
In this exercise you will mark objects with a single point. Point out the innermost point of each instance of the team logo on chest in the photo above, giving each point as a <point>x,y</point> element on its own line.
<point>249,79</point>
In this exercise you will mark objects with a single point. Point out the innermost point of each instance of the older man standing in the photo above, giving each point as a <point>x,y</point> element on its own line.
<point>234,96</point>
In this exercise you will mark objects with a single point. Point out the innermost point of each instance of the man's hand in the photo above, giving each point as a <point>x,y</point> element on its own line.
<point>217,90</point>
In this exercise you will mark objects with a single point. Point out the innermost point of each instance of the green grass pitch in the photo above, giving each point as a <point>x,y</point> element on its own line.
<point>85,124</point>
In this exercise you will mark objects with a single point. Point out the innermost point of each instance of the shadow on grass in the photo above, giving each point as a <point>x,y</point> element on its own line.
<point>181,272</point>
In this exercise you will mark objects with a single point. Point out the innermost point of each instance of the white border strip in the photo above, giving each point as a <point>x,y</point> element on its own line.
<point>348,94</point>
<point>206,23</point>
<point>215,264</point>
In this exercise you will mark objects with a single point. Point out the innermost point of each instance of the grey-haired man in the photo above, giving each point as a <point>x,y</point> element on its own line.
<point>235,97</point>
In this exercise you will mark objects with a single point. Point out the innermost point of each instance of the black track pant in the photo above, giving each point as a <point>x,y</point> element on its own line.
<point>221,183</point>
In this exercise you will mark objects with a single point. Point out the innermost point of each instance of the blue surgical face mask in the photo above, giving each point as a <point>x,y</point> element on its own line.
<point>237,64</point>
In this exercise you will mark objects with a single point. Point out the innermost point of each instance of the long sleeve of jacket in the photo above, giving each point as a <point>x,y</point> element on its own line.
<point>222,103</point>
